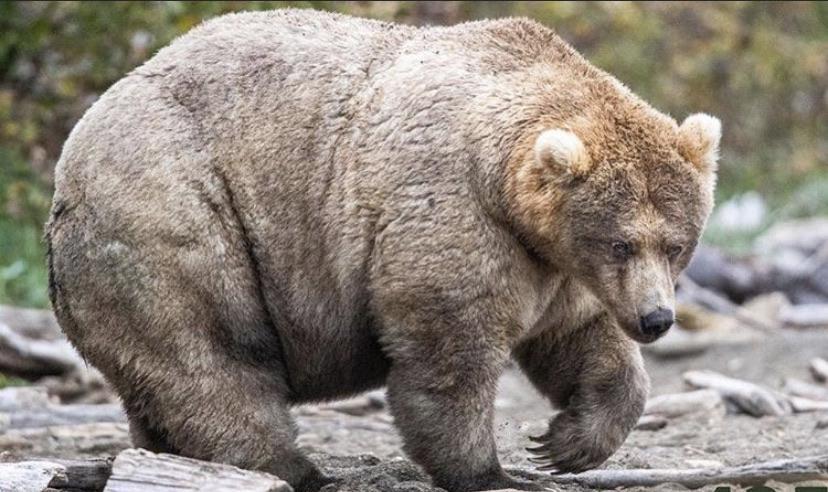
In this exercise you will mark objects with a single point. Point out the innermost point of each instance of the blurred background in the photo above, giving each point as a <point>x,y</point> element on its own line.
<point>752,308</point>
<point>761,67</point>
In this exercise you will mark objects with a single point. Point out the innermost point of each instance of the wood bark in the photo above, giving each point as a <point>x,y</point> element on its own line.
<point>39,476</point>
<point>785,471</point>
<point>30,357</point>
<point>138,470</point>
<point>75,440</point>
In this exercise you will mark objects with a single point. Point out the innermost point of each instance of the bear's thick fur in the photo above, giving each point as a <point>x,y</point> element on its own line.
<point>296,206</point>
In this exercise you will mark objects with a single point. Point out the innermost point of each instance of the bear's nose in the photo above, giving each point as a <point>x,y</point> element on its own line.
<point>656,322</point>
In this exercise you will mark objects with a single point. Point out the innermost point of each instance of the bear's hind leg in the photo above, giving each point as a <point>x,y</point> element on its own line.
<point>145,436</point>
<point>189,349</point>
<point>192,399</point>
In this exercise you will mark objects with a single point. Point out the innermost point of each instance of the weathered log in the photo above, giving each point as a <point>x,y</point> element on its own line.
<point>30,476</point>
<point>361,405</point>
<point>797,387</point>
<point>53,415</point>
<point>23,397</point>
<point>706,401</point>
<point>785,471</point>
<point>67,440</point>
<point>747,397</point>
<point>137,470</point>
<point>805,316</point>
<point>801,405</point>
<point>720,304</point>
<point>651,423</point>
<point>819,369</point>
<point>31,357</point>
<point>38,476</point>
<point>31,323</point>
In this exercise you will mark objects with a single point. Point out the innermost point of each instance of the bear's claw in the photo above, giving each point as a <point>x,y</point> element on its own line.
<point>566,448</point>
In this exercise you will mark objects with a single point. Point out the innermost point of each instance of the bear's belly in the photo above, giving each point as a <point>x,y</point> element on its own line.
<point>333,363</point>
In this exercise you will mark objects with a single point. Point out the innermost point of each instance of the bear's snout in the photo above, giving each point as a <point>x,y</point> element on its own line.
<point>656,323</point>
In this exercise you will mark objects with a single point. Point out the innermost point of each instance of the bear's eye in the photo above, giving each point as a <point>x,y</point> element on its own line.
<point>674,251</point>
<point>622,250</point>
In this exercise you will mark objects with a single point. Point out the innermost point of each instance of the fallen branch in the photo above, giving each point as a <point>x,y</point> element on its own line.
<point>651,423</point>
<point>797,387</point>
<point>720,304</point>
<point>802,405</point>
<point>804,316</point>
<point>707,401</point>
<point>819,369</point>
<point>137,470</point>
<point>31,357</point>
<point>358,406</point>
<point>785,471</point>
<point>748,397</point>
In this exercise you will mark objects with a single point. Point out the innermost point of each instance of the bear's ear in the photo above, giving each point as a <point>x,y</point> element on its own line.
<point>563,150</point>
<point>698,141</point>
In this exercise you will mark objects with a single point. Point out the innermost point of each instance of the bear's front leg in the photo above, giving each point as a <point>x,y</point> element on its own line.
<point>596,376</point>
<point>442,401</point>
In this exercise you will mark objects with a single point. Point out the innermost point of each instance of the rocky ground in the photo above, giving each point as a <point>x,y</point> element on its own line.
<point>356,442</point>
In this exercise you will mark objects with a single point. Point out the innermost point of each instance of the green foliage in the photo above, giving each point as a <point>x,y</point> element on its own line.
<point>6,381</point>
<point>761,67</point>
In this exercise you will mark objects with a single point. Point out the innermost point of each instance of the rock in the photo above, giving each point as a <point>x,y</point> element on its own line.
<point>712,269</point>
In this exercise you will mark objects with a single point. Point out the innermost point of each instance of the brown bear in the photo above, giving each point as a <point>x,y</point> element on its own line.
<point>296,206</point>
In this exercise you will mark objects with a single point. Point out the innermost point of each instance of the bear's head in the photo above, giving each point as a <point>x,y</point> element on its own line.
<point>619,206</point>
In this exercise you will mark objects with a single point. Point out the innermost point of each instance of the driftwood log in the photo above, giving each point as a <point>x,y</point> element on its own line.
<point>40,476</point>
<point>802,282</point>
<point>715,302</point>
<point>747,397</point>
<point>703,401</point>
<point>31,357</point>
<point>77,440</point>
<point>805,316</point>
<point>39,324</point>
<point>785,471</point>
<point>17,398</point>
<point>819,369</point>
<point>138,470</point>
<point>51,415</point>
<point>804,389</point>
<point>651,423</point>
<point>801,405</point>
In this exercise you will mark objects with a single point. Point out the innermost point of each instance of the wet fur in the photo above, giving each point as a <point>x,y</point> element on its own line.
<point>296,206</point>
